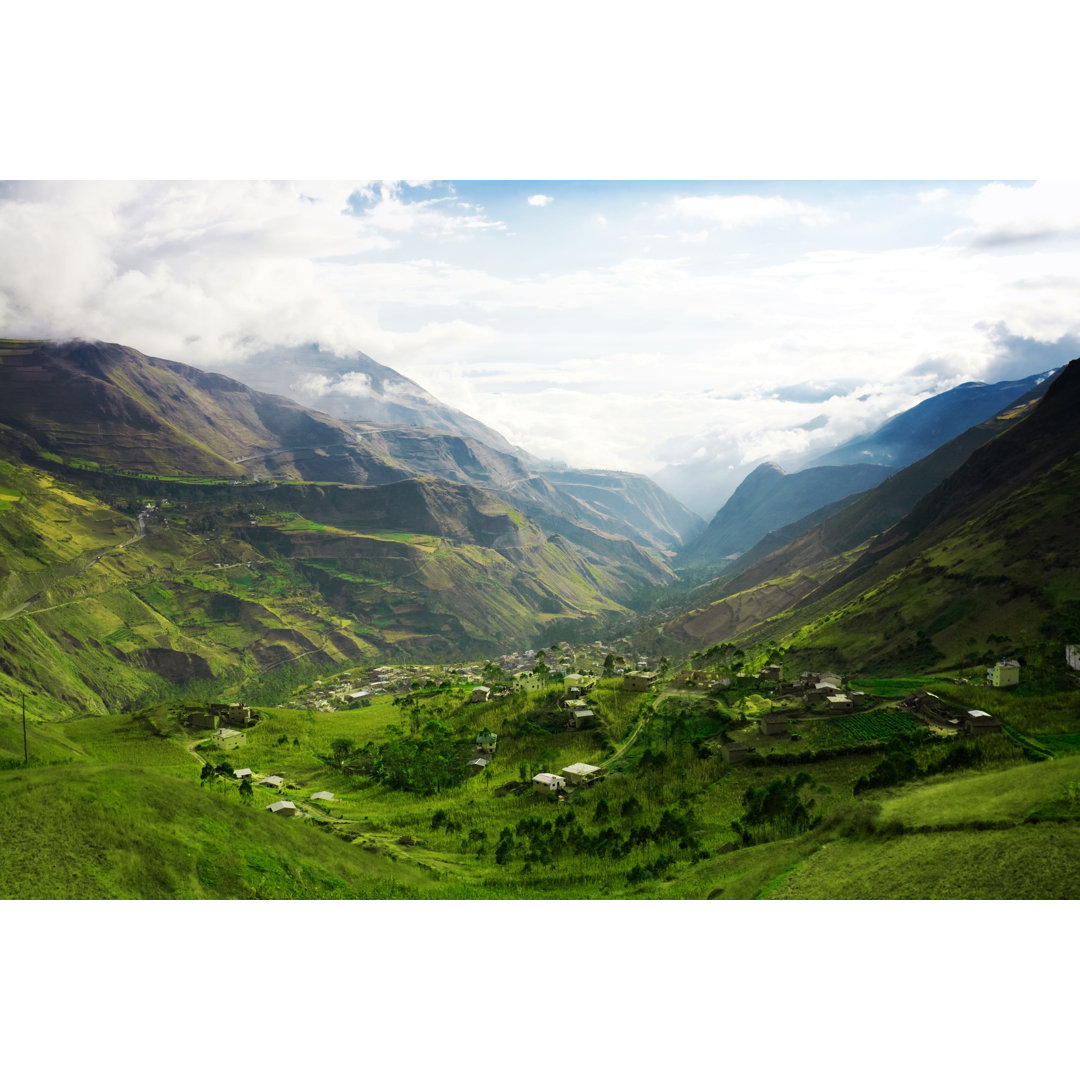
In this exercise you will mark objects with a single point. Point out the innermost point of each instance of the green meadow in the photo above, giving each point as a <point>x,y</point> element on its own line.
<point>119,806</point>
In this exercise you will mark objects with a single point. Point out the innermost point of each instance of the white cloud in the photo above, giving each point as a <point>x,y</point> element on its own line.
<point>590,352</point>
<point>738,211</point>
<point>934,195</point>
<point>1003,214</point>
<point>540,200</point>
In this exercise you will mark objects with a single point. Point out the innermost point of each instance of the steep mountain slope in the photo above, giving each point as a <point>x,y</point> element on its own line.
<point>843,526</point>
<point>629,499</point>
<point>355,387</point>
<point>901,440</point>
<point>610,504</point>
<point>917,431</point>
<point>770,498</point>
<point>133,560</point>
<point>1017,446</point>
<point>112,405</point>
<point>226,586</point>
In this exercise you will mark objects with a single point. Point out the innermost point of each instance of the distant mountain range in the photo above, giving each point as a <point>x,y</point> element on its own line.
<point>917,431</point>
<point>770,498</point>
<point>970,552</point>
<point>901,440</point>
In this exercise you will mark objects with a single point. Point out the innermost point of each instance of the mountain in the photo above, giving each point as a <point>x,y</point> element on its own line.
<point>917,431</point>
<point>842,526</point>
<point>629,499</point>
<point>607,504</point>
<point>355,387</point>
<point>901,440</point>
<point>985,562</point>
<point>111,405</point>
<point>138,554</point>
<point>770,498</point>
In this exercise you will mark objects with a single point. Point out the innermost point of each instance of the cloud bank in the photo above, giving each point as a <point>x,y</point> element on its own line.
<point>625,327</point>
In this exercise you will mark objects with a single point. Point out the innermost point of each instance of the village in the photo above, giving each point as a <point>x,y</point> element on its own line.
<point>783,707</point>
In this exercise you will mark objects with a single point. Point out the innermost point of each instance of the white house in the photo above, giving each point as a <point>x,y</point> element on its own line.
<point>549,782</point>
<point>580,773</point>
<point>325,796</point>
<point>242,774</point>
<point>282,807</point>
<point>272,781</point>
<point>480,693</point>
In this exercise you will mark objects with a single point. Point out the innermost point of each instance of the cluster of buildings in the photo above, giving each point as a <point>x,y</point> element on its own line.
<point>577,775</point>
<point>934,711</point>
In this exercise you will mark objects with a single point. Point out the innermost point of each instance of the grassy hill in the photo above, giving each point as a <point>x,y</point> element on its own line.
<point>113,806</point>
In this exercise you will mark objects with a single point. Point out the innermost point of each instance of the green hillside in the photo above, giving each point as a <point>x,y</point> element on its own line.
<point>121,806</point>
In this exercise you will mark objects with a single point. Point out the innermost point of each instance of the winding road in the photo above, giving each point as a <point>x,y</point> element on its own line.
<point>72,569</point>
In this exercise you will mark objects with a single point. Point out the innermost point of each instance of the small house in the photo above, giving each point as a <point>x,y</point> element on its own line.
<point>1004,673</point>
<point>548,782</point>
<point>821,690</point>
<point>527,680</point>
<point>324,796</point>
<point>229,738</point>
<point>579,717</point>
<point>839,703</point>
<point>580,773</point>
<point>479,694</point>
<point>359,697</point>
<point>236,713</point>
<point>201,718</point>
<point>771,673</point>
<point>243,774</point>
<point>732,753</point>
<point>639,681</point>
<point>283,808</point>
<point>978,722</point>
<point>272,781</point>
<point>478,764</point>
<point>770,724</point>
<point>486,743</point>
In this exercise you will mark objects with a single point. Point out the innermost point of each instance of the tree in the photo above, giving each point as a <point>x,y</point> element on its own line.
<point>341,750</point>
<point>609,666</point>
<point>247,793</point>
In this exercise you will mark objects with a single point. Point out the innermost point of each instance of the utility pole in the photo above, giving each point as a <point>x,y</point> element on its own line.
<point>26,756</point>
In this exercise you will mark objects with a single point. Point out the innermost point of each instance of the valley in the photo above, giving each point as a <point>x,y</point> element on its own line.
<point>516,679</point>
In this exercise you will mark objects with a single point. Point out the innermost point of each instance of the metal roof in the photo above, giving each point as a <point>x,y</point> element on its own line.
<point>579,768</point>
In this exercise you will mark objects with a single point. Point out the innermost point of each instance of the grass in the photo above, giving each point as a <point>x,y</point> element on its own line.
<point>1037,862</point>
<point>110,832</point>
<point>1008,796</point>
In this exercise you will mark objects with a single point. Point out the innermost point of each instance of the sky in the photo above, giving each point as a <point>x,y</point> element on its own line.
<point>613,324</point>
